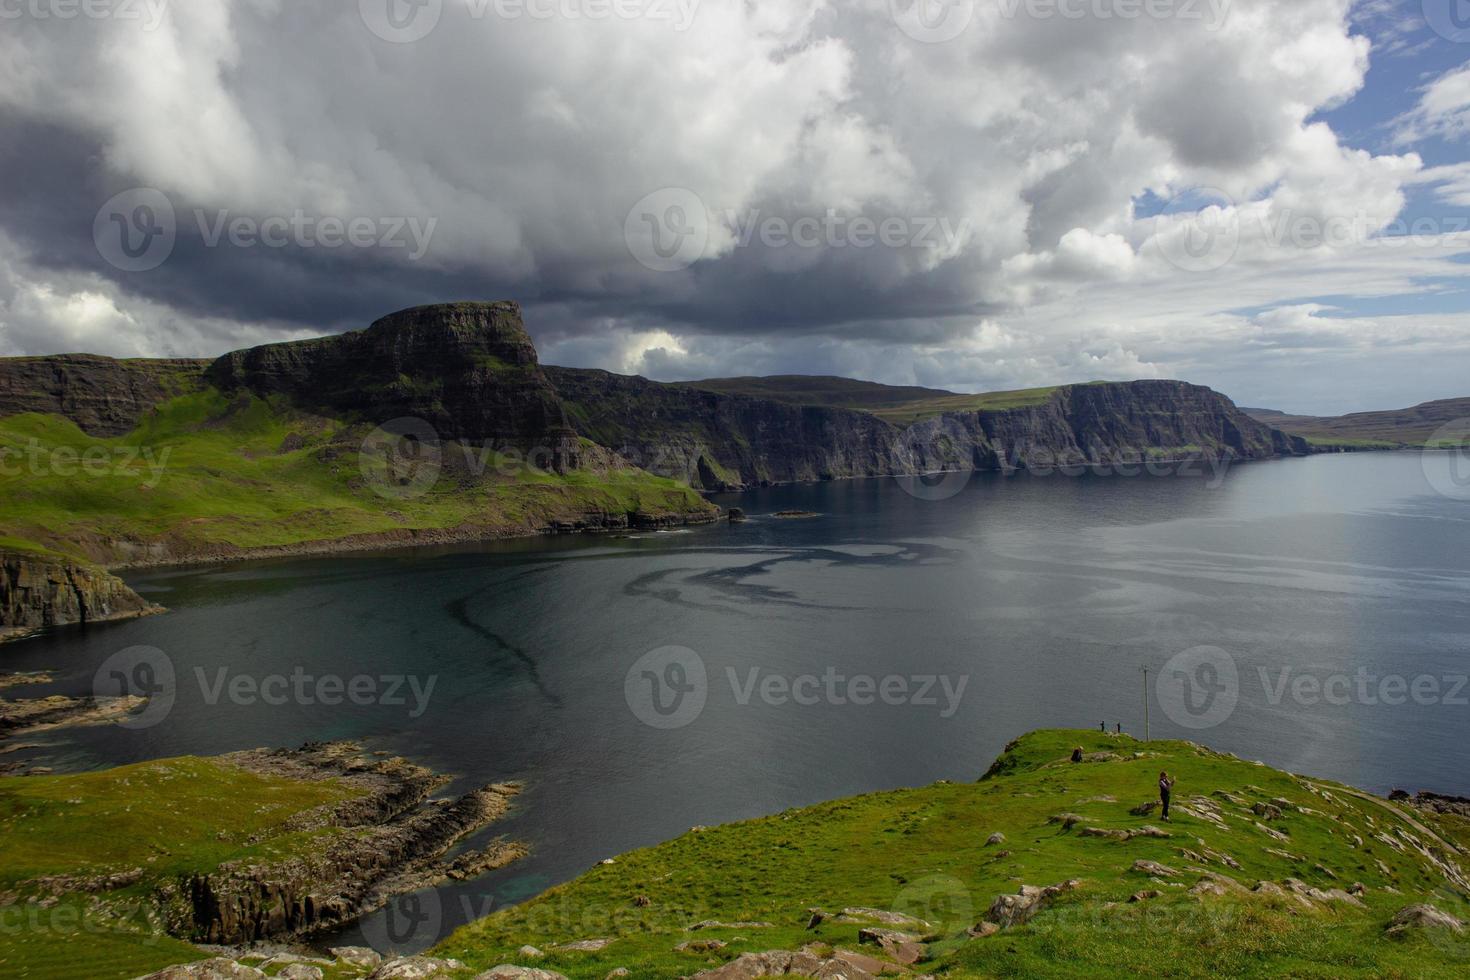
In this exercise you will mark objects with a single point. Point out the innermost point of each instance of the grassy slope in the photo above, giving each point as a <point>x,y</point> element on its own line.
<point>1409,427</point>
<point>923,851</point>
<point>170,818</point>
<point>232,480</point>
<point>899,405</point>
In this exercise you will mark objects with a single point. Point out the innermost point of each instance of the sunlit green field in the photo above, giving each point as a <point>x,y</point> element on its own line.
<point>208,475</point>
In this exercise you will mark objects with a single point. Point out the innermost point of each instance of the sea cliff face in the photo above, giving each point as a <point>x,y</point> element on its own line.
<point>724,442</point>
<point>37,591</point>
<point>720,441</point>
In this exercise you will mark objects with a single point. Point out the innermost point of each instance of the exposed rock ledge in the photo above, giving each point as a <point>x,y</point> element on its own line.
<point>399,843</point>
<point>37,591</point>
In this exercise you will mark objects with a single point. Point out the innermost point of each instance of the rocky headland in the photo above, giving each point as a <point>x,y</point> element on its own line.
<point>39,591</point>
<point>384,831</point>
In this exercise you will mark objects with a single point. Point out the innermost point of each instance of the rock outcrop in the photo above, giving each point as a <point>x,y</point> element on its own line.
<point>397,844</point>
<point>37,591</point>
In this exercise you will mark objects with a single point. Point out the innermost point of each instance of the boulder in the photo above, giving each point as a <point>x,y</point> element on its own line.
<point>777,963</point>
<point>357,956</point>
<point>508,972</point>
<point>300,971</point>
<point>219,968</point>
<point>530,952</point>
<point>714,924</point>
<point>701,946</point>
<point>994,839</point>
<point>904,947</point>
<point>1154,868</point>
<point>415,968</point>
<point>1422,917</point>
<point>1013,910</point>
<point>860,914</point>
<point>1067,820</point>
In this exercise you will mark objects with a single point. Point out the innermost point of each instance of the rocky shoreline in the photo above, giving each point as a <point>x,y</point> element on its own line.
<point>38,591</point>
<point>156,556</point>
<point>400,844</point>
<point>393,835</point>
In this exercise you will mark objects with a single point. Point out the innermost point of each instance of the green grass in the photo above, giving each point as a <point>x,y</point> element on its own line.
<point>923,851</point>
<point>208,474</point>
<point>1320,441</point>
<point>899,405</point>
<point>170,819</point>
<point>991,401</point>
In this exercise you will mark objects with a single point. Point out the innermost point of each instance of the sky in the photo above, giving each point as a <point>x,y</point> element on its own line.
<point>1270,197</point>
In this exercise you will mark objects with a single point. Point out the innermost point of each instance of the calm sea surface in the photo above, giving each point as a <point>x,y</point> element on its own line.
<point>1311,613</point>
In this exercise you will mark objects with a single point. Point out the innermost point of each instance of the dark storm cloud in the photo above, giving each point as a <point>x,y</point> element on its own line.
<point>533,153</point>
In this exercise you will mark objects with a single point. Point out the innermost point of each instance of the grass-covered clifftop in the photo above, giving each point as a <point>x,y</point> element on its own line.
<point>210,475</point>
<point>1251,877</point>
<point>144,825</point>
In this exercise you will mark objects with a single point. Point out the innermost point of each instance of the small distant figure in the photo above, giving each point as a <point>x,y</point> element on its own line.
<point>1077,754</point>
<point>1102,726</point>
<point>1166,786</point>
<point>1119,729</point>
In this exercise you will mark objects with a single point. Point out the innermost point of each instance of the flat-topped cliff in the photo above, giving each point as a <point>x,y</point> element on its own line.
<point>723,440</point>
<point>468,369</point>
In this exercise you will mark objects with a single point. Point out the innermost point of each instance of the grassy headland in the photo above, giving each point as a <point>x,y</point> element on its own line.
<point>82,856</point>
<point>924,852</point>
<point>208,475</point>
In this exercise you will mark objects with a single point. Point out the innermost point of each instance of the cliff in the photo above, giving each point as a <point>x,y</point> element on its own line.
<point>716,441</point>
<point>722,440</point>
<point>468,369</point>
<point>103,396</point>
<point>38,591</point>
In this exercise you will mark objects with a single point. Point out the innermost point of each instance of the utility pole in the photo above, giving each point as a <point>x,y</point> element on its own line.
<point>1145,702</point>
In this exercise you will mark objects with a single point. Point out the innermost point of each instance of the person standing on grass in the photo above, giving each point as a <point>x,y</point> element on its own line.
<point>1165,786</point>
